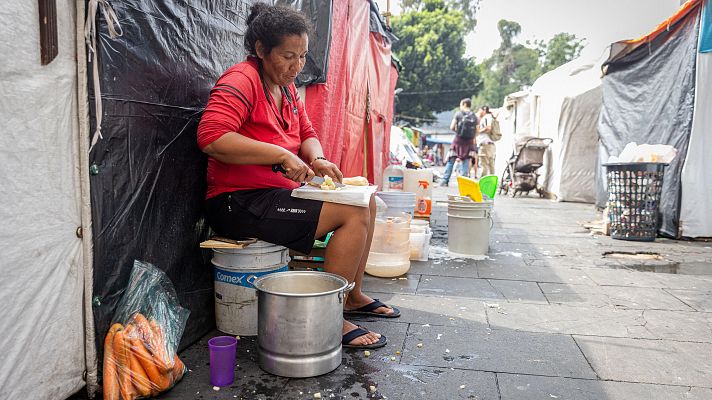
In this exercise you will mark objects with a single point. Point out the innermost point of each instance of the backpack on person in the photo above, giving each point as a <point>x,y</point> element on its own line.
<point>467,127</point>
<point>495,133</point>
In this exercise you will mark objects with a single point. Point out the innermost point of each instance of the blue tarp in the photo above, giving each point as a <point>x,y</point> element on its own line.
<point>706,32</point>
<point>441,139</point>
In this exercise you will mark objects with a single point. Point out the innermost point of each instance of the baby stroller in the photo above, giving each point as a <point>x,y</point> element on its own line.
<point>521,174</point>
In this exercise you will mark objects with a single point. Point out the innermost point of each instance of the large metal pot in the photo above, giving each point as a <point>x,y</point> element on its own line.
<point>299,322</point>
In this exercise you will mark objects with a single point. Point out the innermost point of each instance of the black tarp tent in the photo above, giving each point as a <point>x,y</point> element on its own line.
<point>648,97</point>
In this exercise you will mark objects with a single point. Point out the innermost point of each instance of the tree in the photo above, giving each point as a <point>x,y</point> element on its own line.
<point>510,67</point>
<point>513,66</point>
<point>562,48</point>
<point>431,46</point>
<point>468,8</point>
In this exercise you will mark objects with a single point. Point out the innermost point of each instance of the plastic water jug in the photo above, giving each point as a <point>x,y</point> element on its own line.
<point>393,178</point>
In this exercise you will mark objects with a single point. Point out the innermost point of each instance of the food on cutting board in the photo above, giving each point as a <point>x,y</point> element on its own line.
<point>328,183</point>
<point>355,181</point>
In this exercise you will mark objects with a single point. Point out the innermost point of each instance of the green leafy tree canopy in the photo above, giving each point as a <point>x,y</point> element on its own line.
<point>468,8</point>
<point>431,48</point>
<point>513,66</point>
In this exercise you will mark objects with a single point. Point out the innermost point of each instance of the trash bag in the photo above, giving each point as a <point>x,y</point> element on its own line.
<point>140,357</point>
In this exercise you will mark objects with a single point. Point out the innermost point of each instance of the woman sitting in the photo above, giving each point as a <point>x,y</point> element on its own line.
<point>255,119</point>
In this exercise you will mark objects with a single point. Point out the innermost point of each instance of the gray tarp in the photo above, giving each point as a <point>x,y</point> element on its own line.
<point>648,97</point>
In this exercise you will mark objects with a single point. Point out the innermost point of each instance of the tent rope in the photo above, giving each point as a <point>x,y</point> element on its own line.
<point>115,30</point>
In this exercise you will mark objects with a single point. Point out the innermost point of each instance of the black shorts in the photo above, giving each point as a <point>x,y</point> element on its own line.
<point>272,215</point>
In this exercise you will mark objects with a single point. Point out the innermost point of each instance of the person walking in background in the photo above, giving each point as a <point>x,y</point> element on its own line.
<point>464,123</point>
<point>438,150</point>
<point>486,149</point>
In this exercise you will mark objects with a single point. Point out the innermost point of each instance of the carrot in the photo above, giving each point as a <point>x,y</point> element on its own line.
<point>111,379</point>
<point>121,353</point>
<point>160,352</point>
<point>138,374</point>
<point>144,328</point>
<point>178,369</point>
<point>159,380</point>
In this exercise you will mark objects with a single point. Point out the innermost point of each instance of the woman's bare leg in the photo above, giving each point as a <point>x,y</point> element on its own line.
<point>356,298</point>
<point>345,251</point>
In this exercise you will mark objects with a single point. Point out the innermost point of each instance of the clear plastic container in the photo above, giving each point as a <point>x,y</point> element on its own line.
<point>390,249</point>
<point>420,245</point>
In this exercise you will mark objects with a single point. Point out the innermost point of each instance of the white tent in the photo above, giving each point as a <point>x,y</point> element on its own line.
<point>514,121</point>
<point>565,106</point>
<point>695,212</point>
<point>44,230</point>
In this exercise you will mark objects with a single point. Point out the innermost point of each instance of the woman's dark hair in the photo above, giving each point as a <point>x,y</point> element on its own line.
<point>270,24</point>
<point>485,109</point>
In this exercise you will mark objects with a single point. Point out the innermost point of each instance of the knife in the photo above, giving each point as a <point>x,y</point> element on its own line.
<point>316,180</point>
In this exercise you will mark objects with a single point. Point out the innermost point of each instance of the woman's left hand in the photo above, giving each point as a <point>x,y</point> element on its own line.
<point>325,167</point>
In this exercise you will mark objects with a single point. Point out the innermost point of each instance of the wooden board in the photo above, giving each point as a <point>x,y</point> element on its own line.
<point>218,242</point>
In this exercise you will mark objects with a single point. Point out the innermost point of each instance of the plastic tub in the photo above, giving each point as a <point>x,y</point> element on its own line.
<point>398,202</point>
<point>390,250</point>
<point>388,265</point>
<point>234,272</point>
<point>419,226</point>
<point>469,224</point>
<point>420,245</point>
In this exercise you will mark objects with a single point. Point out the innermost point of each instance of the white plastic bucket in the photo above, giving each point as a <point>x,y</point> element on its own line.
<point>234,272</point>
<point>398,202</point>
<point>469,225</point>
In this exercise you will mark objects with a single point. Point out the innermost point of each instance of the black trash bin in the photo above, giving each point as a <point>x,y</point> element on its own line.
<point>633,198</point>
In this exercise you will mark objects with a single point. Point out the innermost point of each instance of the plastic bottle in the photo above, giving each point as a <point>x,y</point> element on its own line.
<point>424,206</point>
<point>393,176</point>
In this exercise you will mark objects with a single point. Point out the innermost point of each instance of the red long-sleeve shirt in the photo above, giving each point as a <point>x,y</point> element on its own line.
<point>238,103</point>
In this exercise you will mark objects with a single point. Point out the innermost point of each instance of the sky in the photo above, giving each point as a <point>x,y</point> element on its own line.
<point>600,22</point>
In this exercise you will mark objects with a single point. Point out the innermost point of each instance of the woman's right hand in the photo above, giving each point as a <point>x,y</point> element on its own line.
<point>297,170</point>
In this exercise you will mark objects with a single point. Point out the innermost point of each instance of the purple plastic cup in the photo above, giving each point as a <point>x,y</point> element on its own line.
<point>222,360</point>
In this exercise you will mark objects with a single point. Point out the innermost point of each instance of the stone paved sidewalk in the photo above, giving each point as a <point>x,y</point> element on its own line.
<point>545,317</point>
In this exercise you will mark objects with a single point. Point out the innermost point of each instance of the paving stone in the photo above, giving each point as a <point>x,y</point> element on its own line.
<point>459,267</point>
<point>434,310</point>
<point>501,258</point>
<point>394,381</point>
<point>520,292</point>
<point>612,277</point>
<point>491,350</point>
<point>649,361</point>
<point>575,261</point>
<point>679,325</point>
<point>530,387</point>
<point>534,274</point>
<point>391,285</point>
<point>556,318</point>
<point>458,287</point>
<point>613,296</point>
<point>250,381</point>
<point>700,301</point>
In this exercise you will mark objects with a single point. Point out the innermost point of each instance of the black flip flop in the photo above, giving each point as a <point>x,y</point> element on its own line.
<point>358,332</point>
<point>369,310</point>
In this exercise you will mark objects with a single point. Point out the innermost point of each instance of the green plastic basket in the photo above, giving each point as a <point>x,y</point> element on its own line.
<point>488,185</point>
